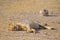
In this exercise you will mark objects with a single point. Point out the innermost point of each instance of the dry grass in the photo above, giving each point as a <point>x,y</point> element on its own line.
<point>19,10</point>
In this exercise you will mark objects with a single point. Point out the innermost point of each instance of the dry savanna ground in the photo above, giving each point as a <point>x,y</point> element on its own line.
<point>19,10</point>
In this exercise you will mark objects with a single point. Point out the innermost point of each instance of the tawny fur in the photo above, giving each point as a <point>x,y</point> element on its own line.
<point>11,26</point>
<point>26,27</point>
<point>21,27</point>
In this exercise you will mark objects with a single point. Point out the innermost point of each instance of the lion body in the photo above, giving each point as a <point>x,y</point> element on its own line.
<point>19,26</point>
<point>26,26</point>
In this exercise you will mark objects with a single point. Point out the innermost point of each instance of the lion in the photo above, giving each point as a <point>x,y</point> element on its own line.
<point>20,27</point>
<point>30,27</point>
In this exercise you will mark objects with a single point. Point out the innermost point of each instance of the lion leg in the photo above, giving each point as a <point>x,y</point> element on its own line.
<point>33,31</point>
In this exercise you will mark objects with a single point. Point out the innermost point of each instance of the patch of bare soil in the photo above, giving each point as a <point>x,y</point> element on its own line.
<point>21,10</point>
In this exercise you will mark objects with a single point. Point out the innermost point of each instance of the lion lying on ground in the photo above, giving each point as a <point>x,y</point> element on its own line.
<point>26,26</point>
<point>20,27</point>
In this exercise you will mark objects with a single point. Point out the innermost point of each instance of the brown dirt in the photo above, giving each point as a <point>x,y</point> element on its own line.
<point>19,10</point>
